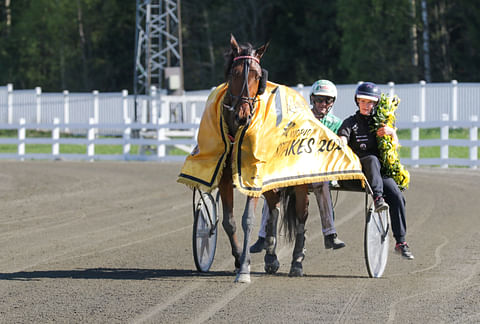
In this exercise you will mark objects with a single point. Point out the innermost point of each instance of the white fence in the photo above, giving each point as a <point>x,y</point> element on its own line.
<point>172,121</point>
<point>72,109</point>
<point>157,144</point>
<point>429,101</point>
<point>444,142</point>
<point>166,135</point>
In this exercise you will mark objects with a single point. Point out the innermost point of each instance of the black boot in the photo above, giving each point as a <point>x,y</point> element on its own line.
<point>333,242</point>
<point>258,246</point>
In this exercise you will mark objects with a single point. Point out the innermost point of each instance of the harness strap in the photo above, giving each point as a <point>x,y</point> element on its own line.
<point>244,57</point>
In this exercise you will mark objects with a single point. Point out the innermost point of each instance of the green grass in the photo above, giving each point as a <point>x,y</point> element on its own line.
<point>460,152</point>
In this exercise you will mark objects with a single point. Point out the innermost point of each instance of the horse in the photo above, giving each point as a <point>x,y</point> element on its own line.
<point>246,80</point>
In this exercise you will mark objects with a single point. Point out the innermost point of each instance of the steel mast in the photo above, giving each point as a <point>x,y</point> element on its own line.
<point>158,47</point>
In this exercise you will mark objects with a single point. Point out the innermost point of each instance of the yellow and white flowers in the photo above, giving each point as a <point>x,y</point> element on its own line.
<point>391,166</point>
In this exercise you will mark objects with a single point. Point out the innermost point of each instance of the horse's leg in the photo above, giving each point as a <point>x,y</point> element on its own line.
<point>301,208</point>
<point>228,222</point>
<point>248,218</point>
<point>270,259</point>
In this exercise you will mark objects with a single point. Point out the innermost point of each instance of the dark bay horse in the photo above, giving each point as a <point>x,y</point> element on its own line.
<point>246,80</point>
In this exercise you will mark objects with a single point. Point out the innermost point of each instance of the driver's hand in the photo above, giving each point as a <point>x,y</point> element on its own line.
<point>385,130</point>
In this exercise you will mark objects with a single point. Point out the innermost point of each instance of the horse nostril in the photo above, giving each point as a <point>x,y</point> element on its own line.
<point>242,114</point>
<point>241,120</point>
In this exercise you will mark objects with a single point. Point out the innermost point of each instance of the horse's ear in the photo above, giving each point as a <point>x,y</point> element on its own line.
<point>261,50</point>
<point>234,45</point>
<point>262,84</point>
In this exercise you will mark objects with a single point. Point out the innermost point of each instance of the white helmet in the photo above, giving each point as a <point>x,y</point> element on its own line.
<point>324,88</point>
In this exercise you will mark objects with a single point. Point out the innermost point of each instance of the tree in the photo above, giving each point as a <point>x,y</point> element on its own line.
<point>455,40</point>
<point>304,42</point>
<point>207,26</point>
<point>77,45</point>
<point>375,40</point>
<point>84,45</point>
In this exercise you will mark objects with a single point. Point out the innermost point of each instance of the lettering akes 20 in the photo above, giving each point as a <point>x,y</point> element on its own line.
<point>301,142</point>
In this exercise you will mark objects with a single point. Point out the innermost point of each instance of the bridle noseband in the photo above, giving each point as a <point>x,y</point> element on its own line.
<point>236,100</point>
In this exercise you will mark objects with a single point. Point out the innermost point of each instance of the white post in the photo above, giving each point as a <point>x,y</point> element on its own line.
<point>154,110</point>
<point>91,138</point>
<point>474,139</point>
<point>196,120</point>
<point>66,109</point>
<point>165,113</point>
<point>126,138</point>
<point>21,139</point>
<point>183,108</point>
<point>160,137</point>
<point>38,99</point>
<point>444,138</point>
<point>422,100</point>
<point>10,103</point>
<point>454,100</point>
<point>144,112</point>
<point>415,140</point>
<point>95,106</point>
<point>391,91</point>
<point>301,89</point>
<point>125,104</point>
<point>193,111</point>
<point>55,138</point>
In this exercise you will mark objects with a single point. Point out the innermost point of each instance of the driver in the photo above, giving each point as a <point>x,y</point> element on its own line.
<point>322,98</point>
<point>356,131</point>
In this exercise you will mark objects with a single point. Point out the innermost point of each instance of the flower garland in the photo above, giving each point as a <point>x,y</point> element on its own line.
<point>391,166</point>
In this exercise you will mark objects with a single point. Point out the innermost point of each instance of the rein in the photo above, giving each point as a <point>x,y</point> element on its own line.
<point>239,99</point>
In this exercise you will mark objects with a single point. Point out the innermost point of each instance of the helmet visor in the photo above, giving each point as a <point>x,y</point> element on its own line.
<point>363,96</point>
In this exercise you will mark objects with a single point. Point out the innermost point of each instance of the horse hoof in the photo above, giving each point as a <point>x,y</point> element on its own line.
<point>237,270</point>
<point>243,278</point>
<point>271,264</point>
<point>296,270</point>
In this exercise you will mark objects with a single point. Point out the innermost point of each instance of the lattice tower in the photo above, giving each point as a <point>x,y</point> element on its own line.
<point>158,43</point>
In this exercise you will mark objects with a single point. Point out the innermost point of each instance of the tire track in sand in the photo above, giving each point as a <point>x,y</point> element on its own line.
<point>226,298</point>
<point>438,260</point>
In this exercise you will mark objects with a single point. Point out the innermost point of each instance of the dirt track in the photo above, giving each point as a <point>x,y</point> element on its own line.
<point>111,243</point>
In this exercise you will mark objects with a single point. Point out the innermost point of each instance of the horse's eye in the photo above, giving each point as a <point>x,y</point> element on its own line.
<point>236,73</point>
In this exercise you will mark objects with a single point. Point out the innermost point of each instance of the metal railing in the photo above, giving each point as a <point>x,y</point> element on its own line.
<point>167,135</point>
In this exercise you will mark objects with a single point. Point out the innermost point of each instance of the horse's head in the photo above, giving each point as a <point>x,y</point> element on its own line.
<point>245,79</point>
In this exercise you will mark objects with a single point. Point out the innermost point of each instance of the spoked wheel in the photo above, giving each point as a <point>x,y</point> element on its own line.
<point>376,242</point>
<point>205,231</point>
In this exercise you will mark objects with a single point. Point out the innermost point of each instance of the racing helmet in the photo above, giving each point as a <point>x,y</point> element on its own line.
<point>367,90</point>
<point>323,88</point>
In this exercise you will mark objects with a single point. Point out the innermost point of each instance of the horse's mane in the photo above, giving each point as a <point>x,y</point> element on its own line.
<point>245,49</point>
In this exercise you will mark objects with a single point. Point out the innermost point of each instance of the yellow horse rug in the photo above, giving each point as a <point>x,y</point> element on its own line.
<point>284,145</point>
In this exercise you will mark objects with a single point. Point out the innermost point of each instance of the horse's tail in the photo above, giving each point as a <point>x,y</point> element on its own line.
<point>289,218</point>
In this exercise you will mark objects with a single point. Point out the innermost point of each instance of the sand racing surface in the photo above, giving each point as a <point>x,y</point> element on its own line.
<point>111,242</point>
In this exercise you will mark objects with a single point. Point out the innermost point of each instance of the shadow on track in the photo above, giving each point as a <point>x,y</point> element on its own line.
<point>111,273</point>
<point>326,276</point>
<point>136,274</point>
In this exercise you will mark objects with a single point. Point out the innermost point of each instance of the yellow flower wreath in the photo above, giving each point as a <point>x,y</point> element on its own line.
<point>391,166</point>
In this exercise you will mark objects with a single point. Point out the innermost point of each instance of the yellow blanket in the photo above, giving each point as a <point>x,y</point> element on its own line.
<point>284,145</point>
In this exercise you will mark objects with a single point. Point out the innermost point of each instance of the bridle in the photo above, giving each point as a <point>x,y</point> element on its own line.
<point>237,100</point>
